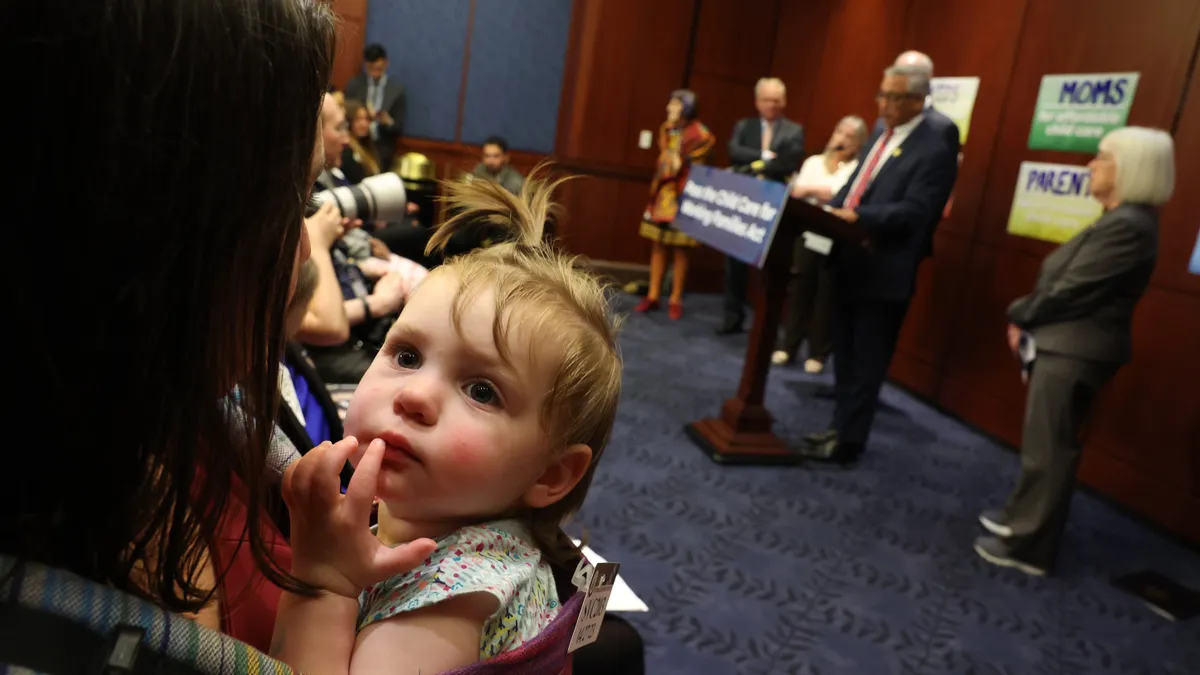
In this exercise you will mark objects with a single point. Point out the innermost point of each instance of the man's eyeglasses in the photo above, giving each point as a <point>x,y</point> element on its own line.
<point>893,97</point>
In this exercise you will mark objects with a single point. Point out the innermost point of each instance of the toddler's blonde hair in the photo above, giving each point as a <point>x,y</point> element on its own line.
<point>557,300</point>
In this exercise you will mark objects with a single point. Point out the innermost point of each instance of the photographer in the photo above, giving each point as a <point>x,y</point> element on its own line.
<point>369,301</point>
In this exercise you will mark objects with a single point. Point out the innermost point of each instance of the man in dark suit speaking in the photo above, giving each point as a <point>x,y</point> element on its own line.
<point>769,146</point>
<point>385,100</point>
<point>896,195</point>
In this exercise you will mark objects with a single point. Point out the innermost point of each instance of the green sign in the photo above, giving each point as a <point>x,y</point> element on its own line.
<point>1074,111</point>
<point>1052,202</point>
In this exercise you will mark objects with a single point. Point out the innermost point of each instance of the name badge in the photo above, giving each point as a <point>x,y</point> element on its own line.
<point>817,243</point>
<point>597,582</point>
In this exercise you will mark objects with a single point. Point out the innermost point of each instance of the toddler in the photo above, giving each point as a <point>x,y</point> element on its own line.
<point>478,427</point>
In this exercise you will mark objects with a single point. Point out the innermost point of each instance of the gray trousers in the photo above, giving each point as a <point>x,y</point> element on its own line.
<point>1061,393</point>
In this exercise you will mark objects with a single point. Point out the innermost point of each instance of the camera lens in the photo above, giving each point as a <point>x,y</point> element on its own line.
<point>378,198</point>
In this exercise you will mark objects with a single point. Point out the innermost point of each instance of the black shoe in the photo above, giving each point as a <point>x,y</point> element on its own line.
<point>730,328</point>
<point>996,552</point>
<point>834,452</point>
<point>824,392</point>
<point>821,437</point>
<point>993,521</point>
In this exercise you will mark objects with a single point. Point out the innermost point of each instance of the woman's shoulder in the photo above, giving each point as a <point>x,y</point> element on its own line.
<point>1140,216</point>
<point>1127,223</point>
<point>813,162</point>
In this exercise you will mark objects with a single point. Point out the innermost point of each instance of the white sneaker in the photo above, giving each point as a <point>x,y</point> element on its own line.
<point>813,366</point>
<point>993,521</point>
<point>780,357</point>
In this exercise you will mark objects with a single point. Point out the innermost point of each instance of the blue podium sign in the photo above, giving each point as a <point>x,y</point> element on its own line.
<point>731,212</point>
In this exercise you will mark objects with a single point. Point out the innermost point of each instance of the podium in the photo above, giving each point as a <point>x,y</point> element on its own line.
<point>741,434</point>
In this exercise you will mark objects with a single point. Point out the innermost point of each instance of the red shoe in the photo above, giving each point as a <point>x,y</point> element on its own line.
<point>675,310</point>
<point>646,305</point>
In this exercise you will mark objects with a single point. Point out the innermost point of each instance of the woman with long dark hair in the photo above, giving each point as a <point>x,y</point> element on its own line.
<point>359,149</point>
<point>191,129</point>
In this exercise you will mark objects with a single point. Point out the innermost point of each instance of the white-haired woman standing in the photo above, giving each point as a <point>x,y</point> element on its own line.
<point>1075,329</point>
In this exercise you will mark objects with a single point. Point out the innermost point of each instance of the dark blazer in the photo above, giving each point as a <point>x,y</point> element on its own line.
<point>787,142</point>
<point>395,103</point>
<point>291,425</point>
<point>900,210</point>
<point>1082,305</point>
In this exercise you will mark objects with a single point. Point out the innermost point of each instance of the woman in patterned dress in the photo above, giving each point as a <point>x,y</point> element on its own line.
<point>682,141</point>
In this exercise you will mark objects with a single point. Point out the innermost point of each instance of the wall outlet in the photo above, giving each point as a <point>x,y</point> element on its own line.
<point>644,139</point>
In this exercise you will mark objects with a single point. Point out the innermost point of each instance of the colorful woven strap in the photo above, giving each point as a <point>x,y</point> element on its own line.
<point>105,614</point>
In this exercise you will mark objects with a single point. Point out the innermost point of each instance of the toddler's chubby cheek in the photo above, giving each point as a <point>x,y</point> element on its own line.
<point>371,402</point>
<point>469,450</point>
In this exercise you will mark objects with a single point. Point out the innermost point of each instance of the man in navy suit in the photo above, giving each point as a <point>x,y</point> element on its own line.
<point>896,195</point>
<point>769,147</point>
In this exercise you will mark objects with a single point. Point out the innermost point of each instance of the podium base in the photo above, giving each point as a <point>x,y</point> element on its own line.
<point>720,443</point>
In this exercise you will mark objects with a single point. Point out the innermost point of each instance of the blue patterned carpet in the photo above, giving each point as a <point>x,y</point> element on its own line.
<point>795,570</point>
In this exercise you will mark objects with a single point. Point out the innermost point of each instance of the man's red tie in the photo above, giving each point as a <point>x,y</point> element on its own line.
<point>864,179</point>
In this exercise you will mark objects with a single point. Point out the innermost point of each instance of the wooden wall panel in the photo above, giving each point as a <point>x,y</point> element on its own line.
<point>624,61</point>
<point>1130,484</point>
<point>590,200</point>
<point>452,160</point>
<point>655,78</point>
<point>723,102</point>
<point>735,38</point>
<point>621,68</point>
<point>352,31</point>
<point>927,327</point>
<point>937,28</point>
<point>862,38</point>
<point>1181,216</point>
<point>1158,44</point>
<point>979,371</point>
<point>799,44</point>
<point>1145,418</point>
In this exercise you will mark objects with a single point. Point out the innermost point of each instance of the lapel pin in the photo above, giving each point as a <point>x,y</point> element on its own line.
<point>896,152</point>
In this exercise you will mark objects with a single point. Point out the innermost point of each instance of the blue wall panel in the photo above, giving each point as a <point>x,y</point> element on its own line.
<point>425,40</point>
<point>514,80</point>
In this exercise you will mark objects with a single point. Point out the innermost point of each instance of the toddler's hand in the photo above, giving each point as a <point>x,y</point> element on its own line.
<point>332,544</point>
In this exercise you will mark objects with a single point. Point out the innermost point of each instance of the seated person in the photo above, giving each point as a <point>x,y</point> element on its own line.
<point>495,166</point>
<point>307,416</point>
<point>370,307</point>
<point>501,429</point>
<point>358,158</point>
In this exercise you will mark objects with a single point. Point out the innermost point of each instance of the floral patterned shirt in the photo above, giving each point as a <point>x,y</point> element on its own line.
<point>497,558</point>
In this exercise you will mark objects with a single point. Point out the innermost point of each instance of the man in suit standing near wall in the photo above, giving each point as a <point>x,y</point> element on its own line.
<point>385,100</point>
<point>896,195</point>
<point>771,147</point>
